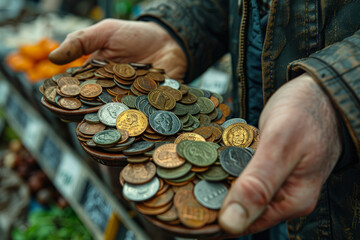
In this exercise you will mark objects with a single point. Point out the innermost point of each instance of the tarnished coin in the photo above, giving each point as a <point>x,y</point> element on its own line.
<point>225,109</point>
<point>214,173</point>
<point>210,194</point>
<point>188,99</point>
<point>139,173</point>
<point>215,101</point>
<point>106,138</point>
<point>165,123</point>
<point>183,195</point>
<point>70,90</point>
<point>141,192</point>
<point>238,135</point>
<point>70,103</point>
<point>181,146</point>
<point>234,160</point>
<point>171,83</point>
<point>146,84</point>
<point>67,81</point>
<point>192,214</point>
<point>56,77</point>
<point>156,76</point>
<point>173,173</point>
<point>124,70</point>
<point>124,135</point>
<point>161,100</point>
<point>200,153</point>
<point>204,131</point>
<point>110,111</point>
<point>50,94</point>
<point>152,211</point>
<point>105,97</point>
<point>106,83</point>
<point>199,169</point>
<point>184,89</point>
<point>160,200</point>
<point>139,148</point>
<point>188,186</point>
<point>232,121</point>
<point>165,156</point>
<point>92,118</point>
<point>137,159</point>
<point>184,179</point>
<point>91,129</point>
<point>49,83</point>
<point>190,137</point>
<point>169,215</point>
<point>174,92</point>
<point>91,90</point>
<point>129,101</point>
<point>133,121</point>
<point>197,92</point>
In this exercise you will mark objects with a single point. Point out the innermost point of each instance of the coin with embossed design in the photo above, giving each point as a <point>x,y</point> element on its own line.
<point>106,138</point>
<point>139,173</point>
<point>161,100</point>
<point>201,154</point>
<point>238,135</point>
<point>210,194</point>
<point>141,192</point>
<point>91,90</point>
<point>70,103</point>
<point>234,160</point>
<point>165,123</point>
<point>165,156</point>
<point>133,121</point>
<point>109,113</point>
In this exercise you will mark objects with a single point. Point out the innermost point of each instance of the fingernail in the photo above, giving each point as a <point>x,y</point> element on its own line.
<point>233,219</point>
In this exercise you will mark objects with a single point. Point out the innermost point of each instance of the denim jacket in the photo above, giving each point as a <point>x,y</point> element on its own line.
<point>320,37</point>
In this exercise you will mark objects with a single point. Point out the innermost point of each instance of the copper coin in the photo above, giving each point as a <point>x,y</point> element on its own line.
<point>156,76</point>
<point>204,132</point>
<point>117,90</point>
<point>213,215</point>
<point>163,189</point>
<point>216,132</point>
<point>189,136</point>
<point>146,83</point>
<point>183,195</point>
<point>133,121</point>
<point>91,129</point>
<point>91,90</point>
<point>179,184</point>
<point>70,90</point>
<point>139,173</point>
<point>198,169</point>
<point>238,135</point>
<point>152,211</point>
<point>109,68</point>
<point>121,178</point>
<point>225,109</point>
<point>70,103</point>
<point>175,222</point>
<point>141,72</point>
<point>106,83</point>
<point>188,186</point>
<point>169,215</point>
<point>188,98</point>
<point>41,90</point>
<point>192,214</point>
<point>165,156</point>
<point>67,81</point>
<point>85,75</point>
<point>160,200</point>
<point>215,101</point>
<point>126,82</point>
<point>104,73</point>
<point>124,135</point>
<point>124,70</point>
<point>161,100</point>
<point>221,120</point>
<point>174,92</point>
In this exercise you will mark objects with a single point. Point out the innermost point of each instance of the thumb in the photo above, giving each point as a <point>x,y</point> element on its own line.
<point>82,42</point>
<point>254,189</point>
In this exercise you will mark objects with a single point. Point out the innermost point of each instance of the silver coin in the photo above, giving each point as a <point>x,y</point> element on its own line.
<point>92,118</point>
<point>105,97</point>
<point>232,121</point>
<point>106,138</point>
<point>171,83</point>
<point>234,160</point>
<point>141,192</point>
<point>110,111</point>
<point>139,148</point>
<point>210,194</point>
<point>165,123</point>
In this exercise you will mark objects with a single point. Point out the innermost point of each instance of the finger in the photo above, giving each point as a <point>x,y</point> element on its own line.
<point>82,42</point>
<point>258,183</point>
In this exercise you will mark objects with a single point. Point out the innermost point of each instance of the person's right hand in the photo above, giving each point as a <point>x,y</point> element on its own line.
<point>124,42</point>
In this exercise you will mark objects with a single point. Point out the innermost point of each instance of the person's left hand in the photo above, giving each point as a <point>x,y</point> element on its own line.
<point>299,146</point>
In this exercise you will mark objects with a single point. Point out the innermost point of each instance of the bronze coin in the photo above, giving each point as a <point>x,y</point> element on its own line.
<point>215,101</point>
<point>198,169</point>
<point>160,200</point>
<point>162,189</point>
<point>106,83</point>
<point>179,184</point>
<point>137,159</point>
<point>184,89</point>
<point>190,137</point>
<point>152,211</point>
<point>109,68</point>
<point>139,173</point>
<point>213,215</point>
<point>188,98</point>
<point>174,92</point>
<point>91,90</point>
<point>85,75</point>
<point>188,186</point>
<point>221,120</point>
<point>41,90</point>
<point>91,129</point>
<point>124,70</point>
<point>67,81</point>
<point>161,100</point>
<point>121,178</point>
<point>183,195</point>
<point>141,72</point>
<point>117,90</point>
<point>169,215</point>
<point>50,94</point>
<point>216,132</point>
<point>204,131</point>
<point>70,103</point>
<point>126,82</point>
<point>192,214</point>
<point>70,90</point>
<point>124,135</point>
<point>145,83</point>
<point>156,76</point>
<point>225,109</point>
<point>104,73</point>
<point>165,156</point>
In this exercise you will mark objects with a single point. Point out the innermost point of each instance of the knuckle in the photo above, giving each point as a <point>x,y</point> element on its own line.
<point>256,190</point>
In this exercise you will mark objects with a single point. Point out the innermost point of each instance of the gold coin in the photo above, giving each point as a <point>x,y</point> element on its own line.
<point>238,135</point>
<point>256,140</point>
<point>91,90</point>
<point>189,136</point>
<point>166,156</point>
<point>161,100</point>
<point>133,121</point>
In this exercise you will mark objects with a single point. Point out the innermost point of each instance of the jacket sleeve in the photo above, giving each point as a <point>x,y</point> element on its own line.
<point>337,69</point>
<point>199,26</point>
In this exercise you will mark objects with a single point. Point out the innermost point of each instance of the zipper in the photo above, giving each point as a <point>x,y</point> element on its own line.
<point>241,60</point>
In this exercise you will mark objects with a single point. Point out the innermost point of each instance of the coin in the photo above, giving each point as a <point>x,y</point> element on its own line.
<point>165,123</point>
<point>199,169</point>
<point>139,148</point>
<point>188,186</point>
<point>105,97</point>
<point>183,195</point>
<point>110,111</point>
<point>124,70</point>
<point>197,92</point>
<point>146,84</point>
<point>192,214</point>
<point>171,83</point>
<point>225,109</point>
<point>133,121</point>
<point>206,105</point>
<point>169,215</point>
<point>160,200</point>
<point>210,194</point>
<point>141,192</point>
<point>174,92</point>
<point>190,137</point>
<point>188,99</point>
<point>152,211</point>
<point>158,77</point>
<point>165,156</point>
<point>70,103</point>
<point>106,138</point>
<point>67,81</point>
<point>124,135</point>
<point>205,132</point>
<point>161,100</point>
<point>215,101</point>
<point>106,83</point>
<point>50,94</point>
<point>129,101</point>
<point>92,118</point>
<point>173,173</point>
<point>184,179</point>
<point>137,159</point>
<point>256,140</point>
<point>238,134</point>
<point>215,173</point>
<point>91,90</point>
<point>56,77</point>
<point>139,173</point>
<point>232,121</point>
<point>234,160</point>
<point>200,153</point>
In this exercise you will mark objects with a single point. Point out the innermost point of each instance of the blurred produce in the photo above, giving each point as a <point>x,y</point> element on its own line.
<point>32,60</point>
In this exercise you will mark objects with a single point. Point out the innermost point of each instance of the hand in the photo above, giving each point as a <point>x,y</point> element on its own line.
<point>299,146</point>
<point>124,41</point>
